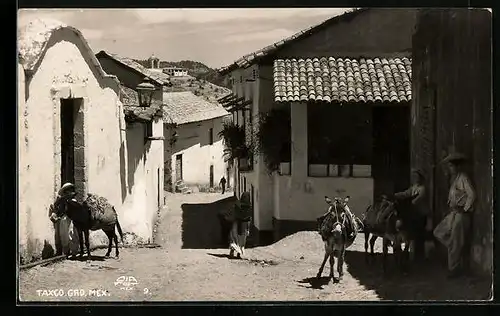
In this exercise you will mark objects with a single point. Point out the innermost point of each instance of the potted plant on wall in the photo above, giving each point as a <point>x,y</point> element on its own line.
<point>273,137</point>
<point>235,144</point>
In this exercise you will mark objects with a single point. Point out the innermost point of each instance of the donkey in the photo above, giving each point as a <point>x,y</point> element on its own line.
<point>94,213</point>
<point>333,227</point>
<point>382,219</point>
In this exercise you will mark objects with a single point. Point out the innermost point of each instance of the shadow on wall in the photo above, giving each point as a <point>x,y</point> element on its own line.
<point>200,224</point>
<point>425,282</point>
<point>135,151</point>
<point>123,173</point>
<point>191,135</point>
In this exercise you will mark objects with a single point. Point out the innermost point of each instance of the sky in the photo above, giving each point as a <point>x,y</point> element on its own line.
<point>215,37</point>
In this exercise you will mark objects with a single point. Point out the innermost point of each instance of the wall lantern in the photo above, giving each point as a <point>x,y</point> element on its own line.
<point>145,90</point>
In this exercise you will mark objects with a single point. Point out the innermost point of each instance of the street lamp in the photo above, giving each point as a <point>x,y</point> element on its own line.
<point>145,91</point>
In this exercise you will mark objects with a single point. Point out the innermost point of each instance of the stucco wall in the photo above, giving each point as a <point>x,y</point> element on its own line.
<point>374,33</point>
<point>304,200</point>
<point>197,153</point>
<point>64,72</point>
<point>143,185</point>
<point>23,171</point>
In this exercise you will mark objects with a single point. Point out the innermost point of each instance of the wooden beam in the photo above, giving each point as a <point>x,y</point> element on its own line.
<point>223,99</point>
<point>228,101</point>
<point>243,104</point>
<point>235,102</point>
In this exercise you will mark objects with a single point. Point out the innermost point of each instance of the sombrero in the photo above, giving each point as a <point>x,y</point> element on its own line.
<point>455,157</point>
<point>66,188</point>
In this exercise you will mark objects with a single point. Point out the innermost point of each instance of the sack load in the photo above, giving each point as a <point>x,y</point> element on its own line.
<point>378,213</point>
<point>101,211</point>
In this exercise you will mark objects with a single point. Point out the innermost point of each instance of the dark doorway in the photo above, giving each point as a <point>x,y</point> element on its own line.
<point>67,141</point>
<point>211,176</point>
<point>391,149</point>
<point>178,167</point>
<point>72,144</point>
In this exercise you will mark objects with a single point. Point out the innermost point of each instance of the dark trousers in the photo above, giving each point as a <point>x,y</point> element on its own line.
<point>420,222</point>
<point>225,228</point>
<point>223,188</point>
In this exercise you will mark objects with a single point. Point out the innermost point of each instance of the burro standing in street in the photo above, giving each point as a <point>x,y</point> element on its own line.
<point>454,230</point>
<point>241,225</point>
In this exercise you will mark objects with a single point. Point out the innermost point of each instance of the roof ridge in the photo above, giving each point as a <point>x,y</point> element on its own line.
<point>274,46</point>
<point>34,36</point>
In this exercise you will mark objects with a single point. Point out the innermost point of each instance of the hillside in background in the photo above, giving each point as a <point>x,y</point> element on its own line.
<point>203,81</point>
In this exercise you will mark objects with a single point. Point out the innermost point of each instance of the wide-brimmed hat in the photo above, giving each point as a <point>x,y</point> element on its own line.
<point>245,199</point>
<point>418,171</point>
<point>455,157</point>
<point>66,188</point>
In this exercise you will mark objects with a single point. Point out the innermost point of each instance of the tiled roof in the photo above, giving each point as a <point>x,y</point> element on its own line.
<point>157,77</point>
<point>33,37</point>
<point>131,109</point>
<point>185,107</point>
<point>342,79</point>
<point>251,58</point>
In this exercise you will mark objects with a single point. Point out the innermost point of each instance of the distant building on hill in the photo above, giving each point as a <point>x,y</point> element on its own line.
<point>175,71</point>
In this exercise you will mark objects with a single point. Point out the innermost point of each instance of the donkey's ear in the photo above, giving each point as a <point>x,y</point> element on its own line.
<point>328,200</point>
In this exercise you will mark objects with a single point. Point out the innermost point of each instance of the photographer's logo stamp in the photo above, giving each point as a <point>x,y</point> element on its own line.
<point>126,283</point>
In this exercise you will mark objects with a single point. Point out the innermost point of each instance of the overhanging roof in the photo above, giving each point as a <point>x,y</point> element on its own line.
<point>336,79</point>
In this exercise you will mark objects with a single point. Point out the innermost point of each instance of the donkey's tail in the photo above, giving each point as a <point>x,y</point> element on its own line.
<point>118,226</point>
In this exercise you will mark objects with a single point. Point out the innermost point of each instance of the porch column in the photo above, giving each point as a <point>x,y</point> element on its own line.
<point>299,141</point>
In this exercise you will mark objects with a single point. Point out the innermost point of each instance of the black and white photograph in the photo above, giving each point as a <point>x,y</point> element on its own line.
<point>254,154</point>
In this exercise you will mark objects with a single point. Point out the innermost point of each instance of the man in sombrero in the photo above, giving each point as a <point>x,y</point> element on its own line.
<point>454,230</point>
<point>416,193</point>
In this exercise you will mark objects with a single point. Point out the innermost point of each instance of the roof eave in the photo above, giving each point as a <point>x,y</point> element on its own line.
<point>252,58</point>
<point>105,54</point>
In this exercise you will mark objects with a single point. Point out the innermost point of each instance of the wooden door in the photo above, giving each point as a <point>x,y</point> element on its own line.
<point>211,176</point>
<point>67,141</point>
<point>178,167</point>
<point>391,149</point>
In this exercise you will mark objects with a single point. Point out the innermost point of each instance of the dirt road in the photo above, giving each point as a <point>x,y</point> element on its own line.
<point>190,267</point>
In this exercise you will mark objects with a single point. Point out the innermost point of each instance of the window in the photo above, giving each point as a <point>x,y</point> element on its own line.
<point>339,140</point>
<point>148,129</point>
<point>210,136</point>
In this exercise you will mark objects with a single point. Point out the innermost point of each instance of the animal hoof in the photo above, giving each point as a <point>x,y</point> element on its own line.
<point>318,275</point>
<point>106,255</point>
<point>341,276</point>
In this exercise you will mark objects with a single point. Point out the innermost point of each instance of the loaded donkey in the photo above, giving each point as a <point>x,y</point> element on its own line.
<point>94,213</point>
<point>338,228</point>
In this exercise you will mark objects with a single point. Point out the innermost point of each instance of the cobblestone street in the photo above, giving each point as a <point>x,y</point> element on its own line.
<point>282,271</point>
